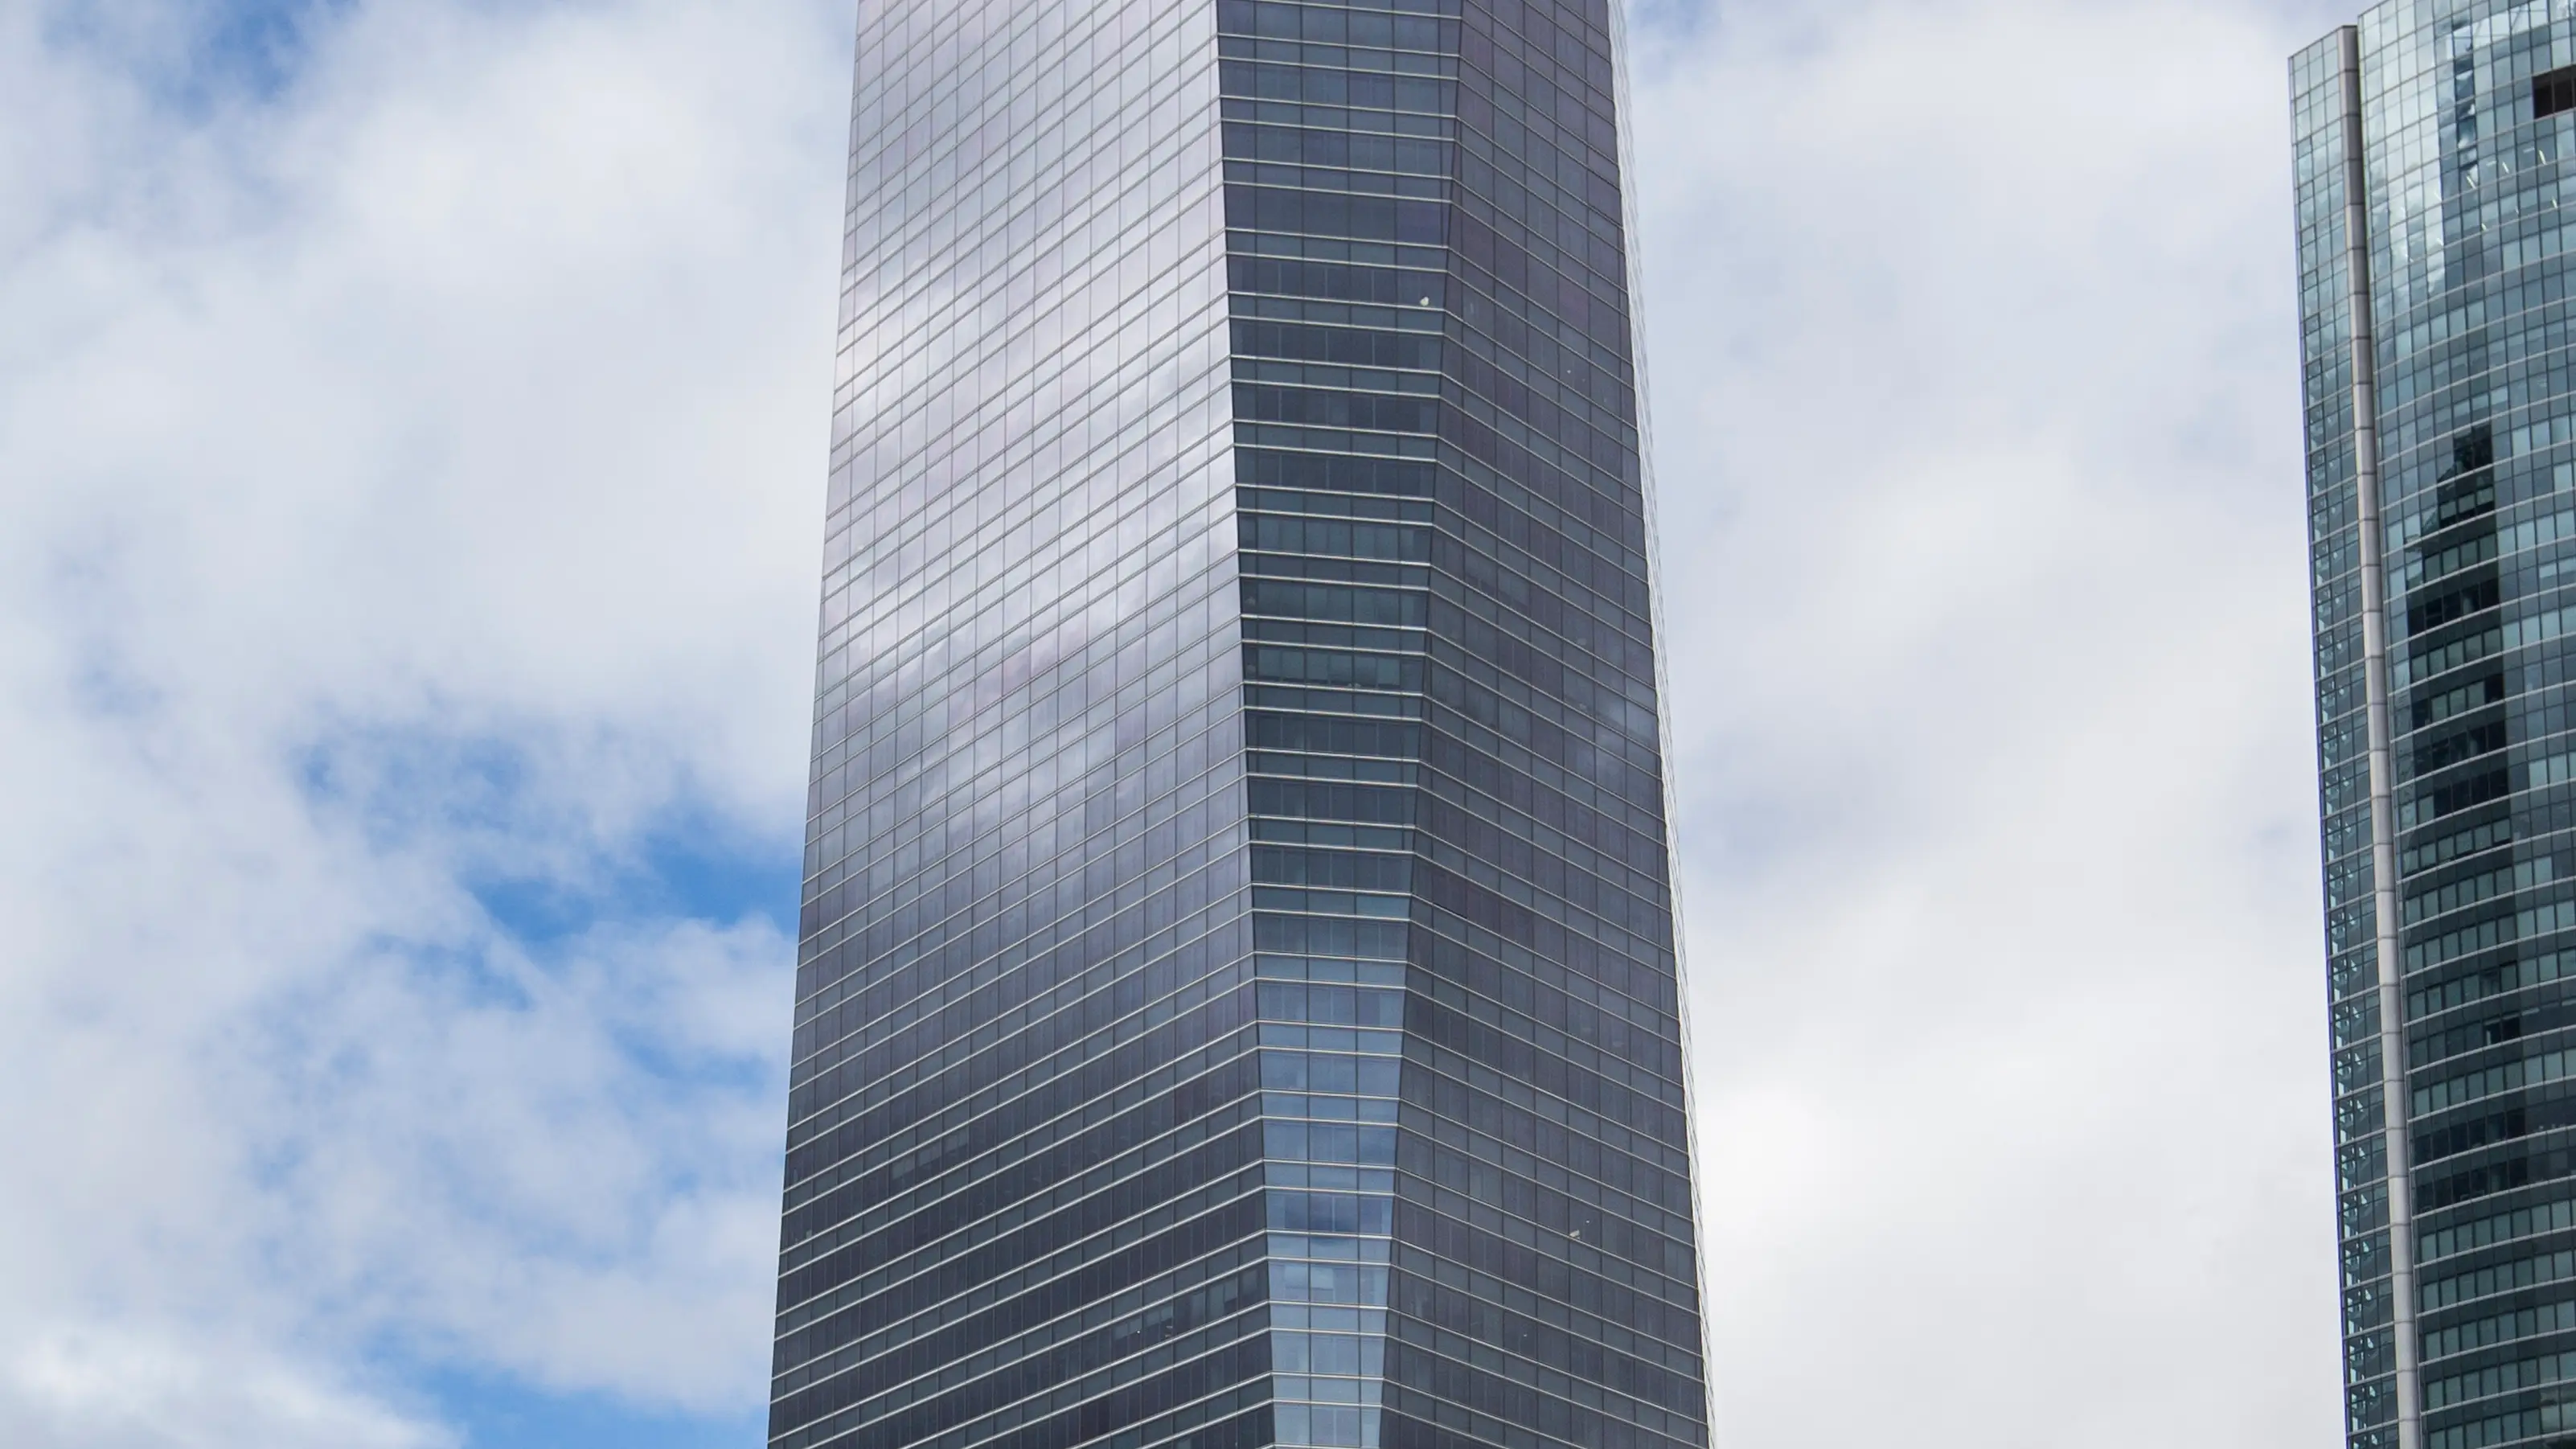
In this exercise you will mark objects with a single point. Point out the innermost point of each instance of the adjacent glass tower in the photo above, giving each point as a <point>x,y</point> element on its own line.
<point>1238,998</point>
<point>2438,306</point>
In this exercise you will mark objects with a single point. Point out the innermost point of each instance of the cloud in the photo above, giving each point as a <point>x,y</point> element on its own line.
<point>411,474</point>
<point>1975,384</point>
<point>111,1389</point>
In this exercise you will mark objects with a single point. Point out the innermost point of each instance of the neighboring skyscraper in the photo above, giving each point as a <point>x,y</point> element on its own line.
<point>2436,276</point>
<point>1237,1000</point>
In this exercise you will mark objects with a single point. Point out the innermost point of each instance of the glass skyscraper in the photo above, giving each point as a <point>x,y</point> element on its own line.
<point>2437,269</point>
<point>1237,999</point>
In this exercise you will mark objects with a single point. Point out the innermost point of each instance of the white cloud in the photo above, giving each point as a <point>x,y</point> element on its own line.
<point>1975,380</point>
<point>411,482</point>
<point>115,1390</point>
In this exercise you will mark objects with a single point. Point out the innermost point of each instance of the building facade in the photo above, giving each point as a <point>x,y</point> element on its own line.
<point>1237,1000</point>
<point>2436,262</point>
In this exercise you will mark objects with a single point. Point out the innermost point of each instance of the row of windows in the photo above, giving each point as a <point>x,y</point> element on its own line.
<point>2518,1167</point>
<point>1341,669</point>
<point>1157,815</point>
<point>1020,578</point>
<point>1150,1388</point>
<point>2493,980</point>
<point>1103,1286</point>
<point>888,1066</point>
<point>1066,541</point>
<point>1336,570</point>
<point>1140,807</point>
<point>2529,1016</point>
<point>1346,870</point>
<point>1042,1171</point>
<point>1449,1322</point>
<point>1009,1372</point>
<point>863,979</point>
<point>1603,1012</point>
<point>1563,792</point>
<point>1507,706</point>
<point>1000,88</point>
<point>2527,1271</point>
<point>900,916</point>
<point>1124,954</point>
<point>1607,1420</point>
<point>2425,901</point>
<point>1329,833</point>
<point>1608,657</point>
<point>1293,534</point>
<point>2428,709</point>
<point>2522,1119</point>
<point>994,1262</point>
<point>1469,833</point>
<point>2523,925</point>
<point>2535,313</point>
<point>1419,30</point>
<point>2511,1225</point>
<point>2509,1076</point>
<point>1321,179</point>
<point>1526,1325</point>
<point>2506,1428</point>
<point>1326,1353</point>
<point>923,1344</point>
<point>1539,490</point>
<point>1042,256</point>
<point>1580,1225</point>
<point>924,751</point>
<point>1311,416</point>
<point>1332,636</point>
<point>1184,1228</point>
<point>1613,1177</point>
<point>862,1143</point>
<point>1560,901</point>
<point>1357,150</point>
<point>1000,462</point>
<point>1334,767</point>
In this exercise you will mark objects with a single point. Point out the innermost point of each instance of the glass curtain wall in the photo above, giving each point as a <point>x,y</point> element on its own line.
<point>2441,408</point>
<point>1456,771</point>
<point>1238,1000</point>
<point>1023,1197</point>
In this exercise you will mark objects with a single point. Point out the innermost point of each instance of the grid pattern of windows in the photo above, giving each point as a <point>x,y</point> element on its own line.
<point>2442,489</point>
<point>1237,1001</point>
<point>1446,615</point>
<point>1023,1202</point>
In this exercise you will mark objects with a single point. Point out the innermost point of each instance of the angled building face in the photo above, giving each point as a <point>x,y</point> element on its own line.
<point>2437,269</point>
<point>1238,998</point>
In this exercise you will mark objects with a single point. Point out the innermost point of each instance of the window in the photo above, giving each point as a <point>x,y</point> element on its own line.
<point>2553,91</point>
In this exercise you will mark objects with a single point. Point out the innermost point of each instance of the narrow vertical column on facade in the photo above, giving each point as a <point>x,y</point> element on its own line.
<point>2382,769</point>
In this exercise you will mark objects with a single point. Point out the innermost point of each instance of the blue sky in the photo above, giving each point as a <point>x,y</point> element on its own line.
<point>413,411</point>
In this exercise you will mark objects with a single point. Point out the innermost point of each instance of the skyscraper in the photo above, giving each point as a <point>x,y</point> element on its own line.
<point>2436,275</point>
<point>1237,999</point>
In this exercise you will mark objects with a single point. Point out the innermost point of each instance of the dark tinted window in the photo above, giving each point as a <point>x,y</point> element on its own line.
<point>2553,91</point>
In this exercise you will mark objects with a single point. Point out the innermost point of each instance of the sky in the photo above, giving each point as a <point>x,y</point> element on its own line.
<point>412,426</point>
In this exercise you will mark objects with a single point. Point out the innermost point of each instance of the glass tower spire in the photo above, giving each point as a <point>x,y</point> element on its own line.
<point>2432,143</point>
<point>1237,998</point>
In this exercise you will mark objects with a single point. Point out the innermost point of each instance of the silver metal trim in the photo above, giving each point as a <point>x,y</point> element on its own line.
<point>1668,742</point>
<point>2383,771</point>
